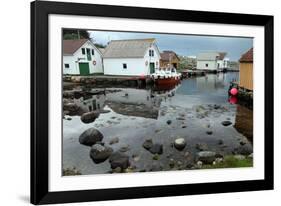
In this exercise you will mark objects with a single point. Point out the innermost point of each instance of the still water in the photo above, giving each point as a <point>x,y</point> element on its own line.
<point>193,109</point>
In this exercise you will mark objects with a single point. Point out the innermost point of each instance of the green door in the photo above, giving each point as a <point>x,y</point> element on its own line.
<point>152,68</point>
<point>84,69</point>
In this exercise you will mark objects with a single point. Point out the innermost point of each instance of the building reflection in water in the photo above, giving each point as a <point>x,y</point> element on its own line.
<point>127,101</point>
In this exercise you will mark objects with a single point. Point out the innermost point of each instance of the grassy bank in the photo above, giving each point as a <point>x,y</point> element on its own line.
<point>231,162</point>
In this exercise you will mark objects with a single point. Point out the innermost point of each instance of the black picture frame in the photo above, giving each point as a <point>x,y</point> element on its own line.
<point>39,101</point>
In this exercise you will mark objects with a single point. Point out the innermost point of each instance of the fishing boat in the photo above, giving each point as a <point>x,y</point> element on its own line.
<point>166,76</point>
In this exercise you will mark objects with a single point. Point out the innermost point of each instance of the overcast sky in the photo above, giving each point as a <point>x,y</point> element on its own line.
<point>187,45</point>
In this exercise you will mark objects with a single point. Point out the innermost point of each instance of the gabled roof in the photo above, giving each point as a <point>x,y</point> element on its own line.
<point>166,55</point>
<point>71,46</point>
<point>101,50</point>
<point>208,56</point>
<point>127,48</point>
<point>211,56</point>
<point>248,56</point>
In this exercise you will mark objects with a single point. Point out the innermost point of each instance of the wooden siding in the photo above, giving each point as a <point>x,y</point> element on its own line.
<point>246,76</point>
<point>166,63</point>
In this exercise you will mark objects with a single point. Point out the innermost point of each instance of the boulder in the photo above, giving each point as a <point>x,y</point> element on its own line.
<point>206,157</point>
<point>180,143</point>
<point>100,153</point>
<point>119,159</point>
<point>71,107</point>
<point>89,117</point>
<point>90,137</point>
<point>147,144</point>
<point>226,123</point>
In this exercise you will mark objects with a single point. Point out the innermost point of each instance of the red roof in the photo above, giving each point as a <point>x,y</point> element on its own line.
<point>71,46</point>
<point>166,55</point>
<point>248,56</point>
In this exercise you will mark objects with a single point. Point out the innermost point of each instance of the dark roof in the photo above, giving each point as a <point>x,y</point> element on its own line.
<point>127,48</point>
<point>71,46</point>
<point>248,56</point>
<point>166,55</point>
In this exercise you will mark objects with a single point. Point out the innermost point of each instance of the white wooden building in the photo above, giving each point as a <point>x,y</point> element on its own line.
<point>212,61</point>
<point>81,57</point>
<point>133,57</point>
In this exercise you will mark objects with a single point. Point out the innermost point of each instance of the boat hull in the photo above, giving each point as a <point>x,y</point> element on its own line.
<point>167,81</point>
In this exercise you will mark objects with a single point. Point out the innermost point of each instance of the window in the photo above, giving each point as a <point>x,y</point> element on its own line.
<point>66,66</point>
<point>83,50</point>
<point>124,66</point>
<point>206,65</point>
<point>151,53</point>
<point>89,54</point>
<point>93,52</point>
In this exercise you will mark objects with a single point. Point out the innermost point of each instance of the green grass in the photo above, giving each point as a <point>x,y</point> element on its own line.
<point>231,162</point>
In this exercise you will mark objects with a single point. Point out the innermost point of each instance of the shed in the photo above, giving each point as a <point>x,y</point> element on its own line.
<point>131,57</point>
<point>81,57</point>
<point>246,70</point>
<point>169,58</point>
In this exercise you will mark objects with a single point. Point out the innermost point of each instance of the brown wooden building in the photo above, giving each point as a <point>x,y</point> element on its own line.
<point>169,58</point>
<point>246,70</point>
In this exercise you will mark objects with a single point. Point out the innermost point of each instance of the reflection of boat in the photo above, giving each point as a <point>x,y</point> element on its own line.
<point>166,76</point>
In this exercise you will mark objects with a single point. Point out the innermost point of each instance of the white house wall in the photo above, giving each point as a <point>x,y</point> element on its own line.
<point>155,59</point>
<point>135,66</point>
<point>114,66</point>
<point>201,64</point>
<point>78,57</point>
<point>73,67</point>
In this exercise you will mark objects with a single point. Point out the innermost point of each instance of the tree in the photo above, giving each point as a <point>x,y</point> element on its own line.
<point>99,45</point>
<point>75,34</point>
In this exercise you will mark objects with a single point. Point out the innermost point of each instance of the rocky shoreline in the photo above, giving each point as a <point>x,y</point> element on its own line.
<point>120,130</point>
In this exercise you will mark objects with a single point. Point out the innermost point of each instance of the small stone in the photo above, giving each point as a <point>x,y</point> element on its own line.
<point>242,142</point>
<point>68,118</point>
<point>239,157</point>
<point>172,163</point>
<point>187,154</point>
<point>117,170</point>
<point>220,142</point>
<point>147,144</point>
<point>119,159</point>
<point>114,140</point>
<point>226,123</point>
<point>201,146</point>
<point>184,126</point>
<point>155,157</point>
<point>124,148</point>
<point>251,156</point>
<point>199,164</point>
<point>209,132</point>
<point>169,122</point>
<point>180,143</point>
